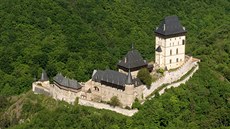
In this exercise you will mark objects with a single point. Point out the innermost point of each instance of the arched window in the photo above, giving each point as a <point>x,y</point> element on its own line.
<point>170,61</point>
<point>183,41</point>
<point>170,52</point>
<point>176,59</point>
<point>96,88</point>
<point>177,51</point>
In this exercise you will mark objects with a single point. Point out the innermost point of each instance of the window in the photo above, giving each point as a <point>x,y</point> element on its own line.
<point>176,59</point>
<point>170,52</point>
<point>177,51</point>
<point>170,61</point>
<point>183,42</point>
<point>96,88</point>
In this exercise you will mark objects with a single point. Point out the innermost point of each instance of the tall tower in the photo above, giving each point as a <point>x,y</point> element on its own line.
<point>170,43</point>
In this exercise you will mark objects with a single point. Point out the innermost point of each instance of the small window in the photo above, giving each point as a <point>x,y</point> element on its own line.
<point>170,61</point>
<point>170,52</point>
<point>176,59</point>
<point>183,42</point>
<point>177,51</point>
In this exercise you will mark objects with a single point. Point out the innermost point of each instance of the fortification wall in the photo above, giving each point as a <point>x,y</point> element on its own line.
<point>108,107</point>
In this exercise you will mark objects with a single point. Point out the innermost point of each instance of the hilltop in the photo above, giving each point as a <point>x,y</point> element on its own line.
<point>76,37</point>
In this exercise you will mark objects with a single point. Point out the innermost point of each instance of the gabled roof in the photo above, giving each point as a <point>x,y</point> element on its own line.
<point>113,77</point>
<point>44,76</point>
<point>170,26</point>
<point>132,59</point>
<point>66,82</point>
<point>159,49</point>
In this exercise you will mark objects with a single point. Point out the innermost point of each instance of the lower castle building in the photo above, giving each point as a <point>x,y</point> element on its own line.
<point>62,88</point>
<point>106,84</point>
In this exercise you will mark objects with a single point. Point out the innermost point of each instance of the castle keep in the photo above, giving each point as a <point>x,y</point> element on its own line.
<point>124,84</point>
<point>170,43</point>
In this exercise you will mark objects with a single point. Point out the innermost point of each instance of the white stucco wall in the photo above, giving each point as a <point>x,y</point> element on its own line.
<point>170,47</point>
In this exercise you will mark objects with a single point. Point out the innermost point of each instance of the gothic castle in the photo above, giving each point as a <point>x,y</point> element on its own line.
<point>124,84</point>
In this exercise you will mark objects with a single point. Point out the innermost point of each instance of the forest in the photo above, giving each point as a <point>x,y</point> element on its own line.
<point>75,37</point>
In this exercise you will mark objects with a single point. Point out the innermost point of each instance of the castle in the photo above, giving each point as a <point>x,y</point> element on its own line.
<point>124,84</point>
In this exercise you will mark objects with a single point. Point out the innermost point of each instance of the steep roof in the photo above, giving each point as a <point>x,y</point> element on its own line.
<point>66,82</point>
<point>170,26</point>
<point>159,49</point>
<point>113,77</point>
<point>44,76</point>
<point>129,79</point>
<point>132,59</point>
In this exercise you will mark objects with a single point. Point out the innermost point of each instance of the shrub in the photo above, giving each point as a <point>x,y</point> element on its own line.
<point>145,77</point>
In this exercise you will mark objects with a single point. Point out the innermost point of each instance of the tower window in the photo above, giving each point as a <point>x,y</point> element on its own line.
<point>177,51</point>
<point>183,42</point>
<point>170,52</point>
<point>170,61</point>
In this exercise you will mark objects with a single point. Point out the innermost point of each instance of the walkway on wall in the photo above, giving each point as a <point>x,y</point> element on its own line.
<point>171,77</point>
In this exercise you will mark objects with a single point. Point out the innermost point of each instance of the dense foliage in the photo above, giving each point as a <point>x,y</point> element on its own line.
<point>75,37</point>
<point>145,76</point>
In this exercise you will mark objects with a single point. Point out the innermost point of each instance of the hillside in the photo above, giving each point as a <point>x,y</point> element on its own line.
<point>76,37</point>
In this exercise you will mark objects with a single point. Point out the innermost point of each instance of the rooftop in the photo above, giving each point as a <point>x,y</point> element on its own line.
<point>66,82</point>
<point>132,59</point>
<point>114,77</point>
<point>169,26</point>
<point>44,76</point>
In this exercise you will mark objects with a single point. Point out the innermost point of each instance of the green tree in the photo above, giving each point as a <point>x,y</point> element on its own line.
<point>114,101</point>
<point>145,77</point>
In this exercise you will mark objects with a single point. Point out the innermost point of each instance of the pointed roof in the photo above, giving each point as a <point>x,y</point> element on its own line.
<point>169,26</point>
<point>132,59</point>
<point>44,76</point>
<point>159,49</point>
<point>129,80</point>
<point>66,82</point>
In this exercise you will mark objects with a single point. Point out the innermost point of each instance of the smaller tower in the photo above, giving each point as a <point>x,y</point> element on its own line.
<point>44,78</point>
<point>129,89</point>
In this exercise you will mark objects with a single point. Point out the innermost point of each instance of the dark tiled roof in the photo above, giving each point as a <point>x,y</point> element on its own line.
<point>113,77</point>
<point>132,59</point>
<point>44,76</point>
<point>66,82</point>
<point>129,79</point>
<point>170,26</point>
<point>159,49</point>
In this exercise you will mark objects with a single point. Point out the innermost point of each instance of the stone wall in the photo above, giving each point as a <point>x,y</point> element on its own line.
<point>108,107</point>
<point>105,93</point>
<point>170,77</point>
